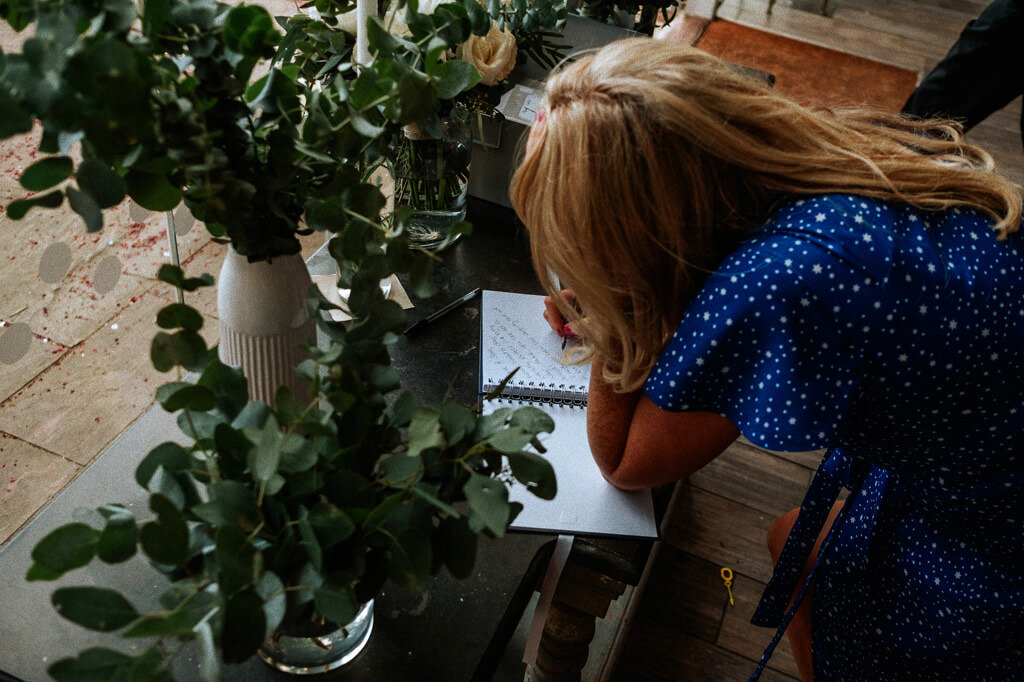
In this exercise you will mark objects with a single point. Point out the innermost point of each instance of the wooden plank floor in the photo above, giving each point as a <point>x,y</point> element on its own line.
<point>684,628</point>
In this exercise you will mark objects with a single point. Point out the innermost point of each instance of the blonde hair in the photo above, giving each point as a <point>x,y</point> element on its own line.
<point>654,161</point>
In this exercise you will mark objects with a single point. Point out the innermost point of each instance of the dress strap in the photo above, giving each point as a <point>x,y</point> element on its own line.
<point>836,470</point>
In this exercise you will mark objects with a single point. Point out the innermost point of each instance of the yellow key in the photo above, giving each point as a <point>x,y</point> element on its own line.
<point>727,579</point>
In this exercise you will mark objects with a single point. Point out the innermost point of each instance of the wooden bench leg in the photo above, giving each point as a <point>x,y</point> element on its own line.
<point>583,595</point>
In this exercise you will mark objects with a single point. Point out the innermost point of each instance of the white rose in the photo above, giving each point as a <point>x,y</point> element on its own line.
<point>493,55</point>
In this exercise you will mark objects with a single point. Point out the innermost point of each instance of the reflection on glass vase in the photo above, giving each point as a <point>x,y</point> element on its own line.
<point>321,648</point>
<point>432,178</point>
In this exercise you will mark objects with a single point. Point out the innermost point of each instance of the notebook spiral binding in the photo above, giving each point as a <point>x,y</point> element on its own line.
<point>569,395</point>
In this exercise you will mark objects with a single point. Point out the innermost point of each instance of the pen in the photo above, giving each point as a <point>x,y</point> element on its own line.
<point>443,311</point>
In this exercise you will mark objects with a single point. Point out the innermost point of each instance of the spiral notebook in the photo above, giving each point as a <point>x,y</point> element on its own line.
<point>513,333</point>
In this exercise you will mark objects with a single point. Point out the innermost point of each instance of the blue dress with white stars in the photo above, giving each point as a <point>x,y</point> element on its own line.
<point>893,337</point>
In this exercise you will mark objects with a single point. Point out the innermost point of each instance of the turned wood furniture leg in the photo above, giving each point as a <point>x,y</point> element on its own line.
<point>583,595</point>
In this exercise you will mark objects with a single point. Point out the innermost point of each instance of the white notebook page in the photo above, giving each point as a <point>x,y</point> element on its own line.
<point>586,504</point>
<point>515,334</point>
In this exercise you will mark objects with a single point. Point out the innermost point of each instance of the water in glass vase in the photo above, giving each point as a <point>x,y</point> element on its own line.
<point>329,647</point>
<point>432,178</point>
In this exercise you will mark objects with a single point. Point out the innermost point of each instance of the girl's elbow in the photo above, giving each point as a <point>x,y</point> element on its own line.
<point>623,479</point>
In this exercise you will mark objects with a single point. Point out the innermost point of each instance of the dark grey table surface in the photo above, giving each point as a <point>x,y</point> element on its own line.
<point>438,634</point>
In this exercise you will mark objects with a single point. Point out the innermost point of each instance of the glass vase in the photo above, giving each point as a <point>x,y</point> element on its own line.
<point>318,651</point>
<point>432,178</point>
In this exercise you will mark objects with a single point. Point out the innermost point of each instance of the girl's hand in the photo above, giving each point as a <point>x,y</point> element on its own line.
<point>554,316</point>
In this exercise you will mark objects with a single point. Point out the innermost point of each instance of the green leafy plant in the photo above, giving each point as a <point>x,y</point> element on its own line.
<point>470,51</point>
<point>278,518</point>
<point>271,517</point>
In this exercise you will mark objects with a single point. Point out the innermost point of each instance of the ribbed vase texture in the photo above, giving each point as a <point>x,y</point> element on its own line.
<point>263,321</point>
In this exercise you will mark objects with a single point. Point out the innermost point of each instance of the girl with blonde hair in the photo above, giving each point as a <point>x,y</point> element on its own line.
<point>850,280</point>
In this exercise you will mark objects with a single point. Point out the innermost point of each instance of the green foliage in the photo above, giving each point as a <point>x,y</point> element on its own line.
<point>265,517</point>
<point>65,548</point>
<point>96,608</point>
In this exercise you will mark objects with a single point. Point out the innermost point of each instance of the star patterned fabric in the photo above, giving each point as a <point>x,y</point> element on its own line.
<point>894,337</point>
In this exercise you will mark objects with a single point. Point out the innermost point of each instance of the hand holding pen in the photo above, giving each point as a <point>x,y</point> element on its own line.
<point>555,318</point>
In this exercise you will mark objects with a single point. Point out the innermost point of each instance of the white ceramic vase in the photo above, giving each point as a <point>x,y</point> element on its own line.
<point>263,321</point>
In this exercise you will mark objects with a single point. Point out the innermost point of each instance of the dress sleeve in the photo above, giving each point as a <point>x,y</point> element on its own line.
<point>768,342</point>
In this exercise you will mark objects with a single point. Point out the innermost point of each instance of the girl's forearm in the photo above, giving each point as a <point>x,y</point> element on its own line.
<point>636,444</point>
<point>609,417</point>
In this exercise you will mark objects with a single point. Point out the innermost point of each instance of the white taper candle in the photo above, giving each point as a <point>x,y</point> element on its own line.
<point>364,10</point>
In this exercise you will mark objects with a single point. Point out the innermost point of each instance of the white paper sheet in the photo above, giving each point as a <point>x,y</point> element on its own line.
<point>514,333</point>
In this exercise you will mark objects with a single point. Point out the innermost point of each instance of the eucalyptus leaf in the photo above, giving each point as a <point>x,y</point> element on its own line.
<point>331,524</point>
<point>456,422</point>
<point>39,572</point>
<point>179,316</point>
<point>489,424</point>
<point>535,471</point>
<point>488,499</point>
<point>229,385</point>
<point>297,454</point>
<point>335,604</point>
<point>166,625</point>
<point>180,395</point>
<point>100,182</point>
<point>96,608</point>
<point>174,275</point>
<point>119,537</point>
<point>249,30</point>
<point>165,540</point>
<point>401,470</point>
<point>91,665</point>
<point>403,409</point>
<point>199,426</point>
<point>166,484</point>
<point>181,349</point>
<point>169,455</point>
<point>66,548</point>
<point>311,544</point>
<point>266,456</point>
<point>523,426</point>
<point>152,190</point>
<point>424,431</point>
<point>231,504</point>
<point>454,77</point>
<point>272,591</point>
<point>479,18</point>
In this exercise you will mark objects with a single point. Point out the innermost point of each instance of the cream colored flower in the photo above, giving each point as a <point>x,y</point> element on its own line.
<point>493,55</point>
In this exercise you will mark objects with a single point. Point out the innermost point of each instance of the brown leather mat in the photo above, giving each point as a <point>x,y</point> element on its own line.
<point>809,73</point>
